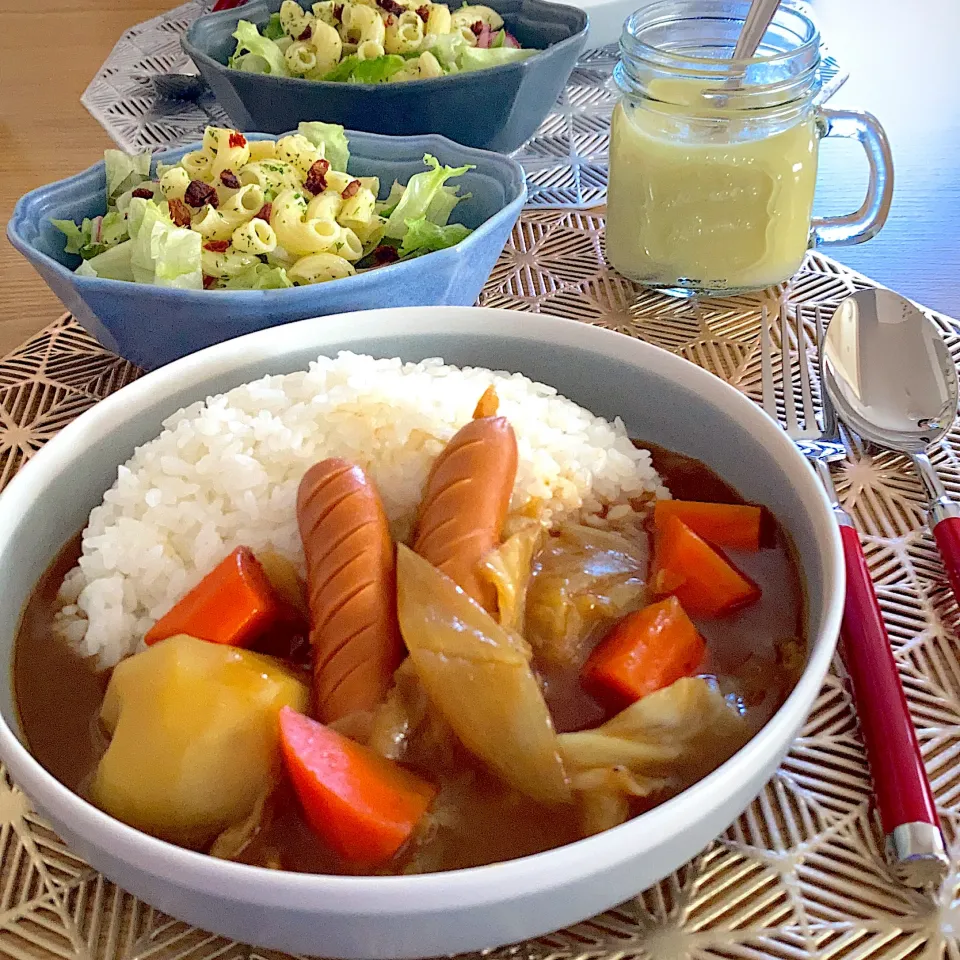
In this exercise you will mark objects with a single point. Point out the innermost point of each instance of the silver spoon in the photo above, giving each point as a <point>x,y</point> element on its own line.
<point>890,375</point>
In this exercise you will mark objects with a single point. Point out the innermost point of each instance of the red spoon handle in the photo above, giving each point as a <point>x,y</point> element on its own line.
<point>947,535</point>
<point>899,779</point>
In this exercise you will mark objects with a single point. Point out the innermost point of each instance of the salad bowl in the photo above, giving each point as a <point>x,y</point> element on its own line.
<point>153,325</point>
<point>497,108</point>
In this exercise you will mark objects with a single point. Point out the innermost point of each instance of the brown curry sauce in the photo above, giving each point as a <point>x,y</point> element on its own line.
<point>58,695</point>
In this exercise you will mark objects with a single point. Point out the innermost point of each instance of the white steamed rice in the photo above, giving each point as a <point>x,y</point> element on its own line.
<point>224,473</point>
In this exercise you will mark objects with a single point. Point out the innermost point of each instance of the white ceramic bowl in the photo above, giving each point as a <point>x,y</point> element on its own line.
<point>662,398</point>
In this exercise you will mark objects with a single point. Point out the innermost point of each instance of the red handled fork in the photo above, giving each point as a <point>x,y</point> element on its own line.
<point>914,844</point>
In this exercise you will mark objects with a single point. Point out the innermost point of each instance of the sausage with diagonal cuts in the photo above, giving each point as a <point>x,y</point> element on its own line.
<point>465,505</point>
<point>351,578</point>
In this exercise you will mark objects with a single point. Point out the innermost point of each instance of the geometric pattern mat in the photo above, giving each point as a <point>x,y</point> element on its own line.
<point>565,160</point>
<point>800,875</point>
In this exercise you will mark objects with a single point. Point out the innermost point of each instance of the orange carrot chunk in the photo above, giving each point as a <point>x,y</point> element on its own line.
<point>233,604</point>
<point>363,805</point>
<point>645,651</point>
<point>701,578</point>
<point>730,525</point>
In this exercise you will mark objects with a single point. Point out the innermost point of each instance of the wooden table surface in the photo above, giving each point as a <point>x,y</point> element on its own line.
<point>907,73</point>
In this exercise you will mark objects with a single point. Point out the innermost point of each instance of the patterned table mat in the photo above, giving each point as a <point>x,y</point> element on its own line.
<point>565,160</point>
<point>800,875</point>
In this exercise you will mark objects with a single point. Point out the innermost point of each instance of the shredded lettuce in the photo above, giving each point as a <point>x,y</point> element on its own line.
<point>473,58</point>
<point>421,192</point>
<point>124,172</point>
<point>249,41</point>
<point>112,264</point>
<point>260,277</point>
<point>274,28</point>
<point>93,236</point>
<point>331,138</point>
<point>422,236</point>
<point>162,254</point>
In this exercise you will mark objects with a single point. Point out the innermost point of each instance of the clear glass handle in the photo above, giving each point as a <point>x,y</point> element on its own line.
<point>867,221</point>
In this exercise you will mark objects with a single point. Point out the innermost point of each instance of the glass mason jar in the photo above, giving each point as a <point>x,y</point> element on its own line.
<point>713,161</point>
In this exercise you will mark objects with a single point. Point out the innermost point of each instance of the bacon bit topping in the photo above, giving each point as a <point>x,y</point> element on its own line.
<point>217,246</point>
<point>351,189</point>
<point>477,28</point>
<point>229,179</point>
<point>209,281</point>
<point>307,33</point>
<point>145,193</point>
<point>338,11</point>
<point>237,139</point>
<point>391,6</point>
<point>179,213</point>
<point>199,193</point>
<point>316,179</point>
<point>384,254</point>
<point>264,213</point>
<point>423,13</point>
<point>390,21</point>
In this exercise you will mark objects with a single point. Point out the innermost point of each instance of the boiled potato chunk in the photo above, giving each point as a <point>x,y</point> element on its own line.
<point>195,737</point>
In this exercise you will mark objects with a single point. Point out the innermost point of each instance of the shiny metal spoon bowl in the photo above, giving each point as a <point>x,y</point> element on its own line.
<point>888,371</point>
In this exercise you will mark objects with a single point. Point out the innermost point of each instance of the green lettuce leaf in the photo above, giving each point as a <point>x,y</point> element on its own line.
<point>250,41</point>
<point>447,49</point>
<point>112,264</point>
<point>376,70</point>
<point>274,28</point>
<point>473,58</point>
<point>163,254</point>
<point>250,63</point>
<point>260,277</point>
<point>385,207</point>
<point>421,192</point>
<point>93,236</point>
<point>124,172</point>
<point>422,236</point>
<point>331,138</point>
<point>442,204</point>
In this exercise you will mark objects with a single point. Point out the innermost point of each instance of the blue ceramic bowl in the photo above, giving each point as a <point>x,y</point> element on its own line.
<point>151,326</point>
<point>495,109</point>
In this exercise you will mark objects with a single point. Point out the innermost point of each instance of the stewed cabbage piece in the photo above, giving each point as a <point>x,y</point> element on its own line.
<point>657,746</point>
<point>478,676</point>
<point>581,578</point>
<point>194,737</point>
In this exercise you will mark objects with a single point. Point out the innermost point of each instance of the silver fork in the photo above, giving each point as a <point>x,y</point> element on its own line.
<point>914,844</point>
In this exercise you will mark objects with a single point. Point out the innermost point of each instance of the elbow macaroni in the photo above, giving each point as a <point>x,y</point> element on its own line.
<point>320,268</point>
<point>405,34</point>
<point>174,183</point>
<point>340,37</point>
<point>295,233</point>
<point>254,236</point>
<point>272,220</point>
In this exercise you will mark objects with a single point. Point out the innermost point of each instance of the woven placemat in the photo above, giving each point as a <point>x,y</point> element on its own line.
<point>800,876</point>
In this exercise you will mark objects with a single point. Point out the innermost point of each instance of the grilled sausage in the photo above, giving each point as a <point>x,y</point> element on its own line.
<point>465,504</point>
<point>351,581</point>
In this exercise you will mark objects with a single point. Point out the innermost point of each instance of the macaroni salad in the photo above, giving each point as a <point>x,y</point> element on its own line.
<point>244,214</point>
<point>375,41</point>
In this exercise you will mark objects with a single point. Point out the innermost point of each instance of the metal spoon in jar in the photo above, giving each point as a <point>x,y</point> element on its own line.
<point>891,377</point>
